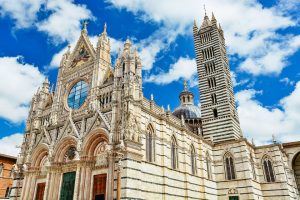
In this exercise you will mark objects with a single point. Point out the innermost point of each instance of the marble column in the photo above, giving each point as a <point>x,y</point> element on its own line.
<point>25,184</point>
<point>77,183</point>
<point>47,186</point>
<point>32,187</point>
<point>110,177</point>
<point>88,176</point>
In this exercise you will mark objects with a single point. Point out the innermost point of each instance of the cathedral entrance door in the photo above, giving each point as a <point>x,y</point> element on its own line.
<point>40,191</point>
<point>67,187</point>
<point>234,198</point>
<point>99,187</point>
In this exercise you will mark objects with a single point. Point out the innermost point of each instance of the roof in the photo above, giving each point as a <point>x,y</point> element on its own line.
<point>8,156</point>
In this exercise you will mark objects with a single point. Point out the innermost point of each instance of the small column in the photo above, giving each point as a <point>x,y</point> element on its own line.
<point>77,183</point>
<point>88,176</point>
<point>110,176</point>
<point>82,183</point>
<point>25,191</point>
<point>25,183</point>
<point>47,186</point>
<point>32,186</point>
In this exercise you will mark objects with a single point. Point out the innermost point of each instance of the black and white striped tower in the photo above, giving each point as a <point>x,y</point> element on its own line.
<point>219,116</point>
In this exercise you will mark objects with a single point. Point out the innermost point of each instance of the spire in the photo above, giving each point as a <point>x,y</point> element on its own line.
<point>206,22</point>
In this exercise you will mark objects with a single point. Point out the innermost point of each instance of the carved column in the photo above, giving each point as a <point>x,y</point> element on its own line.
<point>47,185</point>
<point>25,183</point>
<point>77,183</point>
<point>82,183</point>
<point>87,185</point>
<point>110,176</point>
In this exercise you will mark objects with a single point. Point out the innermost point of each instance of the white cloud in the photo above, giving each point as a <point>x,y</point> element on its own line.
<point>62,19</point>
<point>184,68</point>
<point>8,144</point>
<point>287,81</point>
<point>18,82</point>
<point>234,80</point>
<point>65,21</point>
<point>283,122</point>
<point>24,12</point>
<point>274,58</point>
<point>250,35</point>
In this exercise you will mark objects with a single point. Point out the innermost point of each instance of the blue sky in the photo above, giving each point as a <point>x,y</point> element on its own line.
<point>262,37</point>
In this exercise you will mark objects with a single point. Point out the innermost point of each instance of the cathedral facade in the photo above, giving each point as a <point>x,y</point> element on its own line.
<point>97,137</point>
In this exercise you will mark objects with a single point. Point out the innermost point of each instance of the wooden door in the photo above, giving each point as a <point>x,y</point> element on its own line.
<point>40,191</point>
<point>99,187</point>
<point>67,187</point>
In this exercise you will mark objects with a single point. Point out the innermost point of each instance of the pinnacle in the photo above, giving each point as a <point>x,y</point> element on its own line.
<point>213,17</point>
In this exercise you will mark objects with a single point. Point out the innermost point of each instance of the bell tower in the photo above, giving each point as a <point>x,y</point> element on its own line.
<point>219,115</point>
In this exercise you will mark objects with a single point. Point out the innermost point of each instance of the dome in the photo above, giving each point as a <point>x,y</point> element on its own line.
<point>188,112</point>
<point>187,107</point>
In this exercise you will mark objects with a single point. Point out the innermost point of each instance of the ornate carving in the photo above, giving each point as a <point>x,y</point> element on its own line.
<point>82,56</point>
<point>233,191</point>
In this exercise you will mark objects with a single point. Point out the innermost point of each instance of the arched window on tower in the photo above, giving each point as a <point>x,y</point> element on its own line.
<point>229,167</point>
<point>215,113</point>
<point>208,166</point>
<point>193,160</point>
<point>174,153</point>
<point>150,144</point>
<point>268,169</point>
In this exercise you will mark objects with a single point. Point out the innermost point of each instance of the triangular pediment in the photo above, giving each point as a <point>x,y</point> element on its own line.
<point>83,51</point>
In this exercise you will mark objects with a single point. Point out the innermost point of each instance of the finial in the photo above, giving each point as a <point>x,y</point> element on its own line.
<point>169,108</point>
<point>163,109</point>
<point>185,85</point>
<point>85,26</point>
<point>69,48</point>
<point>204,9</point>
<point>104,30</point>
<point>253,141</point>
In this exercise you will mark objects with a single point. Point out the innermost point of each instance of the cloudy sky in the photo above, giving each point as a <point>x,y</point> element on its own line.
<point>262,37</point>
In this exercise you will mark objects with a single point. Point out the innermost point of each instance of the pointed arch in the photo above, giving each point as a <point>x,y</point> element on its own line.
<point>193,159</point>
<point>174,153</point>
<point>39,155</point>
<point>229,166</point>
<point>267,165</point>
<point>150,143</point>
<point>63,146</point>
<point>92,141</point>
<point>208,166</point>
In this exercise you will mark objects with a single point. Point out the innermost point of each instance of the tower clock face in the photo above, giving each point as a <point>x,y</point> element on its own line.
<point>78,94</point>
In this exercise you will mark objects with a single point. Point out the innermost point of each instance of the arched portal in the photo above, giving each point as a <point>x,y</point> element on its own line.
<point>296,168</point>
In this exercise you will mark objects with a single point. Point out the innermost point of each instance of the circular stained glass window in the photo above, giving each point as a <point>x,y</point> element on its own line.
<point>78,95</point>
